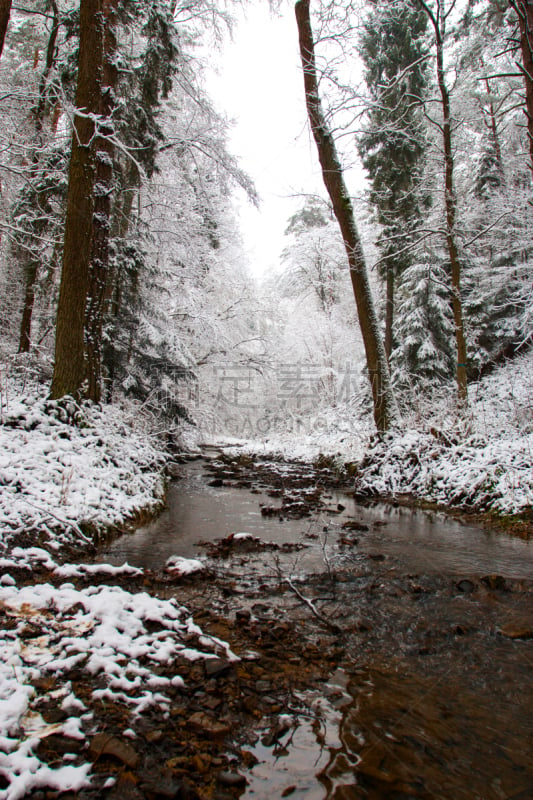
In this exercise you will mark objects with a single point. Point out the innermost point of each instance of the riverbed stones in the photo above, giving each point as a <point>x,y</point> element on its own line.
<point>208,726</point>
<point>516,631</point>
<point>216,666</point>
<point>104,745</point>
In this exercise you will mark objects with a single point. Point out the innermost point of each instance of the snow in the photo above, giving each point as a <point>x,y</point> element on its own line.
<point>177,565</point>
<point>124,639</point>
<point>67,472</point>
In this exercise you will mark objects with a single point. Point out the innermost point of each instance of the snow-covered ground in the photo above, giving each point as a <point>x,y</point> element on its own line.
<point>128,644</point>
<point>482,461</point>
<point>66,471</point>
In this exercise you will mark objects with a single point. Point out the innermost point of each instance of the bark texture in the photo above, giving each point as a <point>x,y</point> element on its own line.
<point>5,13</point>
<point>450,202</point>
<point>99,267</point>
<point>384,405</point>
<point>524,10</point>
<point>69,368</point>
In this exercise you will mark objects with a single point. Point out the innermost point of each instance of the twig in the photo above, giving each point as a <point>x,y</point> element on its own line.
<point>311,606</point>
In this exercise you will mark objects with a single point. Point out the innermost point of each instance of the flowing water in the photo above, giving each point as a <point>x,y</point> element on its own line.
<point>431,700</point>
<point>422,541</point>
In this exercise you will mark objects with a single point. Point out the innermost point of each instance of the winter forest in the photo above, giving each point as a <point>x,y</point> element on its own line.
<point>386,348</point>
<point>135,282</point>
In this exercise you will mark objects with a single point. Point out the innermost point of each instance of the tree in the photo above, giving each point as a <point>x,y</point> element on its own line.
<point>104,183</point>
<point>524,11</point>
<point>393,143</point>
<point>438,18</point>
<point>45,181</point>
<point>5,12</point>
<point>69,366</point>
<point>384,406</point>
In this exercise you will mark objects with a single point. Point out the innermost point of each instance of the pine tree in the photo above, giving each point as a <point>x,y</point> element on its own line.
<point>393,143</point>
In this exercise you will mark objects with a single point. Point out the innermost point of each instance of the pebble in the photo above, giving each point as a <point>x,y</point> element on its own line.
<point>231,779</point>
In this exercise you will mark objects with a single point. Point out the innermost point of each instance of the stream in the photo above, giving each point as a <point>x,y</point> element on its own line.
<point>433,695</point>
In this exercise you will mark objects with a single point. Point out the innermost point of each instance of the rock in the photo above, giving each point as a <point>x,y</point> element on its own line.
<point>216,666</point>
<point>353,525</point>
<point>465,586</point>
<point>208,726</point>
<point>216,483</point>
<point>173,469</point>
<point>231,779</point>
<point>104,745</point>
<point>126,788</point>
<point>516,631</point>
<point>160,783</point>
<point>270,511</point>
<point>494,582</point>
<point>243,616</point>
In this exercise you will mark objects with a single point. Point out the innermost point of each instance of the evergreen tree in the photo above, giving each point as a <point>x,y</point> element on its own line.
<point>424,352</point>
<point>393,143</point>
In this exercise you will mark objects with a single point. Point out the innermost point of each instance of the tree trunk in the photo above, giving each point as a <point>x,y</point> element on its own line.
<point>524,10</point>
<point>450,202</point>
<point>69,368</point>
<point>27,310</point>
<point>99,268</point>
<point>389,311</point>
<point>384,406</point>
<point>5,13</point>
<point>33,268</point>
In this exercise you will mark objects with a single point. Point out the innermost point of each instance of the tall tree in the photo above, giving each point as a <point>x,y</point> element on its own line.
<point>104,146</point>
<point>46,183</point>
<point>393,143</point>
<point>332,173</point>
<point>524,10</point>
<point>438,17</point>
<point>69,366</point>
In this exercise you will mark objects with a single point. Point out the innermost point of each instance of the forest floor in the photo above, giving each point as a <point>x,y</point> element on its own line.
<point>127,683</point>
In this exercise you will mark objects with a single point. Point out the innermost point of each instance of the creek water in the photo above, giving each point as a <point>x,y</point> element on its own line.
<point>420,540</point>
<point>448,720</point>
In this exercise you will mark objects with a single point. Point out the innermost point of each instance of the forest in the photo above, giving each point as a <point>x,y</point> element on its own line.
<point>387,354</point>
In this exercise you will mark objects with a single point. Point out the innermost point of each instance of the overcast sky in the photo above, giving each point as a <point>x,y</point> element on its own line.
<point>260,87</point>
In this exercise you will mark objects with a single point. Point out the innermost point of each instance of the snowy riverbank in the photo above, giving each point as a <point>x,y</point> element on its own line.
<point>482,462</point>
<point>67,471</point>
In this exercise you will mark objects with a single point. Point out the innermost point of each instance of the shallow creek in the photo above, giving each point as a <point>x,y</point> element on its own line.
<point>433,697</point>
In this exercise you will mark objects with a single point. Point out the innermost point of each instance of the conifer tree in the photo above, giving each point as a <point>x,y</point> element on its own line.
<point>393,143</point>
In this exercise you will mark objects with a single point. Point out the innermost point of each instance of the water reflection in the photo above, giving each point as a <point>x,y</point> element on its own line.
<point>419,541</point>
<point>408,733</point>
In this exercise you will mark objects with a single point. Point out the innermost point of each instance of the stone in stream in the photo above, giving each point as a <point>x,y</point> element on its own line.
<point>494,582</point>
<point>208,726</point>
<point>231,779</point>
<point>465,586</point>
<point>353,525</point>
<point>511,631</point>
<point>216,666</point>
<point>104,745</point>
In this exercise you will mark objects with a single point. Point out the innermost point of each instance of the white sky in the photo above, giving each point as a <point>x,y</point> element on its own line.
<point>260,87</point>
